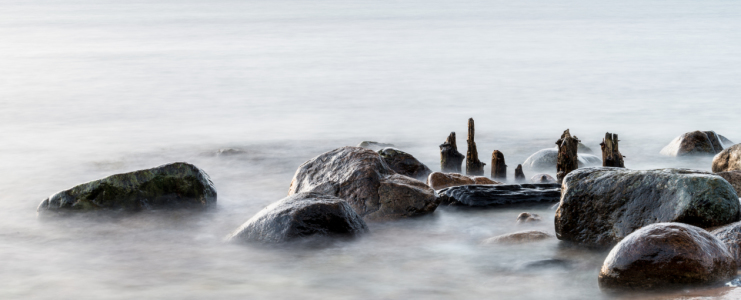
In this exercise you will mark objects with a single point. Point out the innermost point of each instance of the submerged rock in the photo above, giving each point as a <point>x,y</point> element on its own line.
<point>730,235</point>
<point>734,178</point>
<point>375,146</point>
<point>364,180</point>
<point>543,178</point>
<point>694,143</point>
<point>601,206</point>
<point>175,185</point>
<point>527,218</point>
<point>518,237</point>
<point>666,255</point>
<point>299,216</point>
<point>546,160</point>
<point>492,195</point>
<point>728,160</point>
<point>404,163</point>
<point>581,148</point>
<point>438,180</point>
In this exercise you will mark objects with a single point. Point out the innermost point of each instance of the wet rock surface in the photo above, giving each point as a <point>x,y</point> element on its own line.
<point>730,235</point>
<point>728,160</point>
<point>175,185</point>
<point>438,180</point>
<point>518,237</point>
<point>502,194</point>
<point>694,143</point>
<point>734,178</point>
<point>301,215</point>
<point>601,206</point>
<point>543,178</point>
<point>666,255</point>
<point>404,163</point>
<point>375,146</point>
<point>528,218</point>
<point>545,160</point>
<point>362,178</point>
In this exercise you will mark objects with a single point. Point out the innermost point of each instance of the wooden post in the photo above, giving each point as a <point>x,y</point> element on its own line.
<point>567,157</point>
<point>450,158</point>
<point>611,156</point>
<point>519,175</point>
<point>498,168</point>
<point>473,165</point>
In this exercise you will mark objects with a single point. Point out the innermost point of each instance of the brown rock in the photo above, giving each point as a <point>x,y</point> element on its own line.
<point>734,178</point>
<point>527,218</point>
<point>518,237</point>
<point>450,158</point>
<point>542,178</point>
<point>728,159</point>
<point>519,175</point>
<point>730,235</point>
<point>360,177</point>
<point>473,165</point>
<point>665,255</point>
<point>498,167</point>
<point>404,163</point>
<point>694,143</point>
<point>438,180</point>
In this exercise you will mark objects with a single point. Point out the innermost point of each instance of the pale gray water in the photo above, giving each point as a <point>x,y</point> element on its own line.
<point>93,88</point>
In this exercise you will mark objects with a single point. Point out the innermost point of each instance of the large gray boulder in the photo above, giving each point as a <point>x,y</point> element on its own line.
<point>728,160</point>
<point>696,143</point>
<point>545,160</point>
<point>300,216</point>
<point>601,206</point>
<point>175,185</point>
<point>366,182</point>
<point>666,255</point>
<point>404,163</point>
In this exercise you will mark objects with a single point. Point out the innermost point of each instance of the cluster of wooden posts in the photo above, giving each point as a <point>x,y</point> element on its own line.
<point>451,160</point>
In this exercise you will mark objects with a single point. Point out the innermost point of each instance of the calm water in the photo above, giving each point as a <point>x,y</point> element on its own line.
<point>93,88</point>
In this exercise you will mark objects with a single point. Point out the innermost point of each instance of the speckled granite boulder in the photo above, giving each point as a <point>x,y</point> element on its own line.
<point>300,216</point>
<point>175,185</point>
<point>728,160</point>
<point>404,163</point>
<point>601,206</point>
<point>695,143</point>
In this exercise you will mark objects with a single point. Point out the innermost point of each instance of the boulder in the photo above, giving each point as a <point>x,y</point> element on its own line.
<point>601,206</point>
<point>375,146</point>
<point>502,194</point>
<point>518,237</point>
<point>301,215</point>
<point>175,185</point>
<point>734,178</point>
<point>527,218</point>
<point>581,148</point>
<point>730,235</point>
<point>404,163</point>
<point>694,143</point>
<point>545,160</point>
<point>728,159</point>
<point>366,182</point>
<point>438,180</point>
<point>666,255</point>
<point>543,178</point>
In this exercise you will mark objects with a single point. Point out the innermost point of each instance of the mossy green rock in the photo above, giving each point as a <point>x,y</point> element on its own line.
<point>175,185</point>
<point>601,206</point>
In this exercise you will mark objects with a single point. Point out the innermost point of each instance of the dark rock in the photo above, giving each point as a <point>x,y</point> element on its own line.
<point>473,165</point>
<point>498,167</point>
<point>728,160</point>
<point>734,178</point>
<point>492,195</point>
<point>299,216</point>
<point>519,175</point>
<point>567,155</point>
<point>362,178</point>
<point>527,218</point>
<point>404,163</point>
<point>438,180</point>
<point>545,160</point>
<point>601,206</point>
<point>730,235</point>
<point>175,185</point>
<point>543,178</point>
<point>694,143</point>
<point>450,158</point>
<point>375,146</point>
<point>518,237</point>
<point>666,255</point>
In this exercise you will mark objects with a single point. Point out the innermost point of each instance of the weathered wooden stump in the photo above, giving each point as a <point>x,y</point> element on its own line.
<point>498,168</point>
<point>567,157</point>
<point>450,159</point>
<point>519,175</point>
<point>611,156</point>
<point>473,165</point>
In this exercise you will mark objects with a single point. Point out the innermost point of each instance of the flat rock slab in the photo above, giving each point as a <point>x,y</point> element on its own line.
<point>299,216</point>
<point>175,185</point>
<point>601,206</point>
<point>502,194</point>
